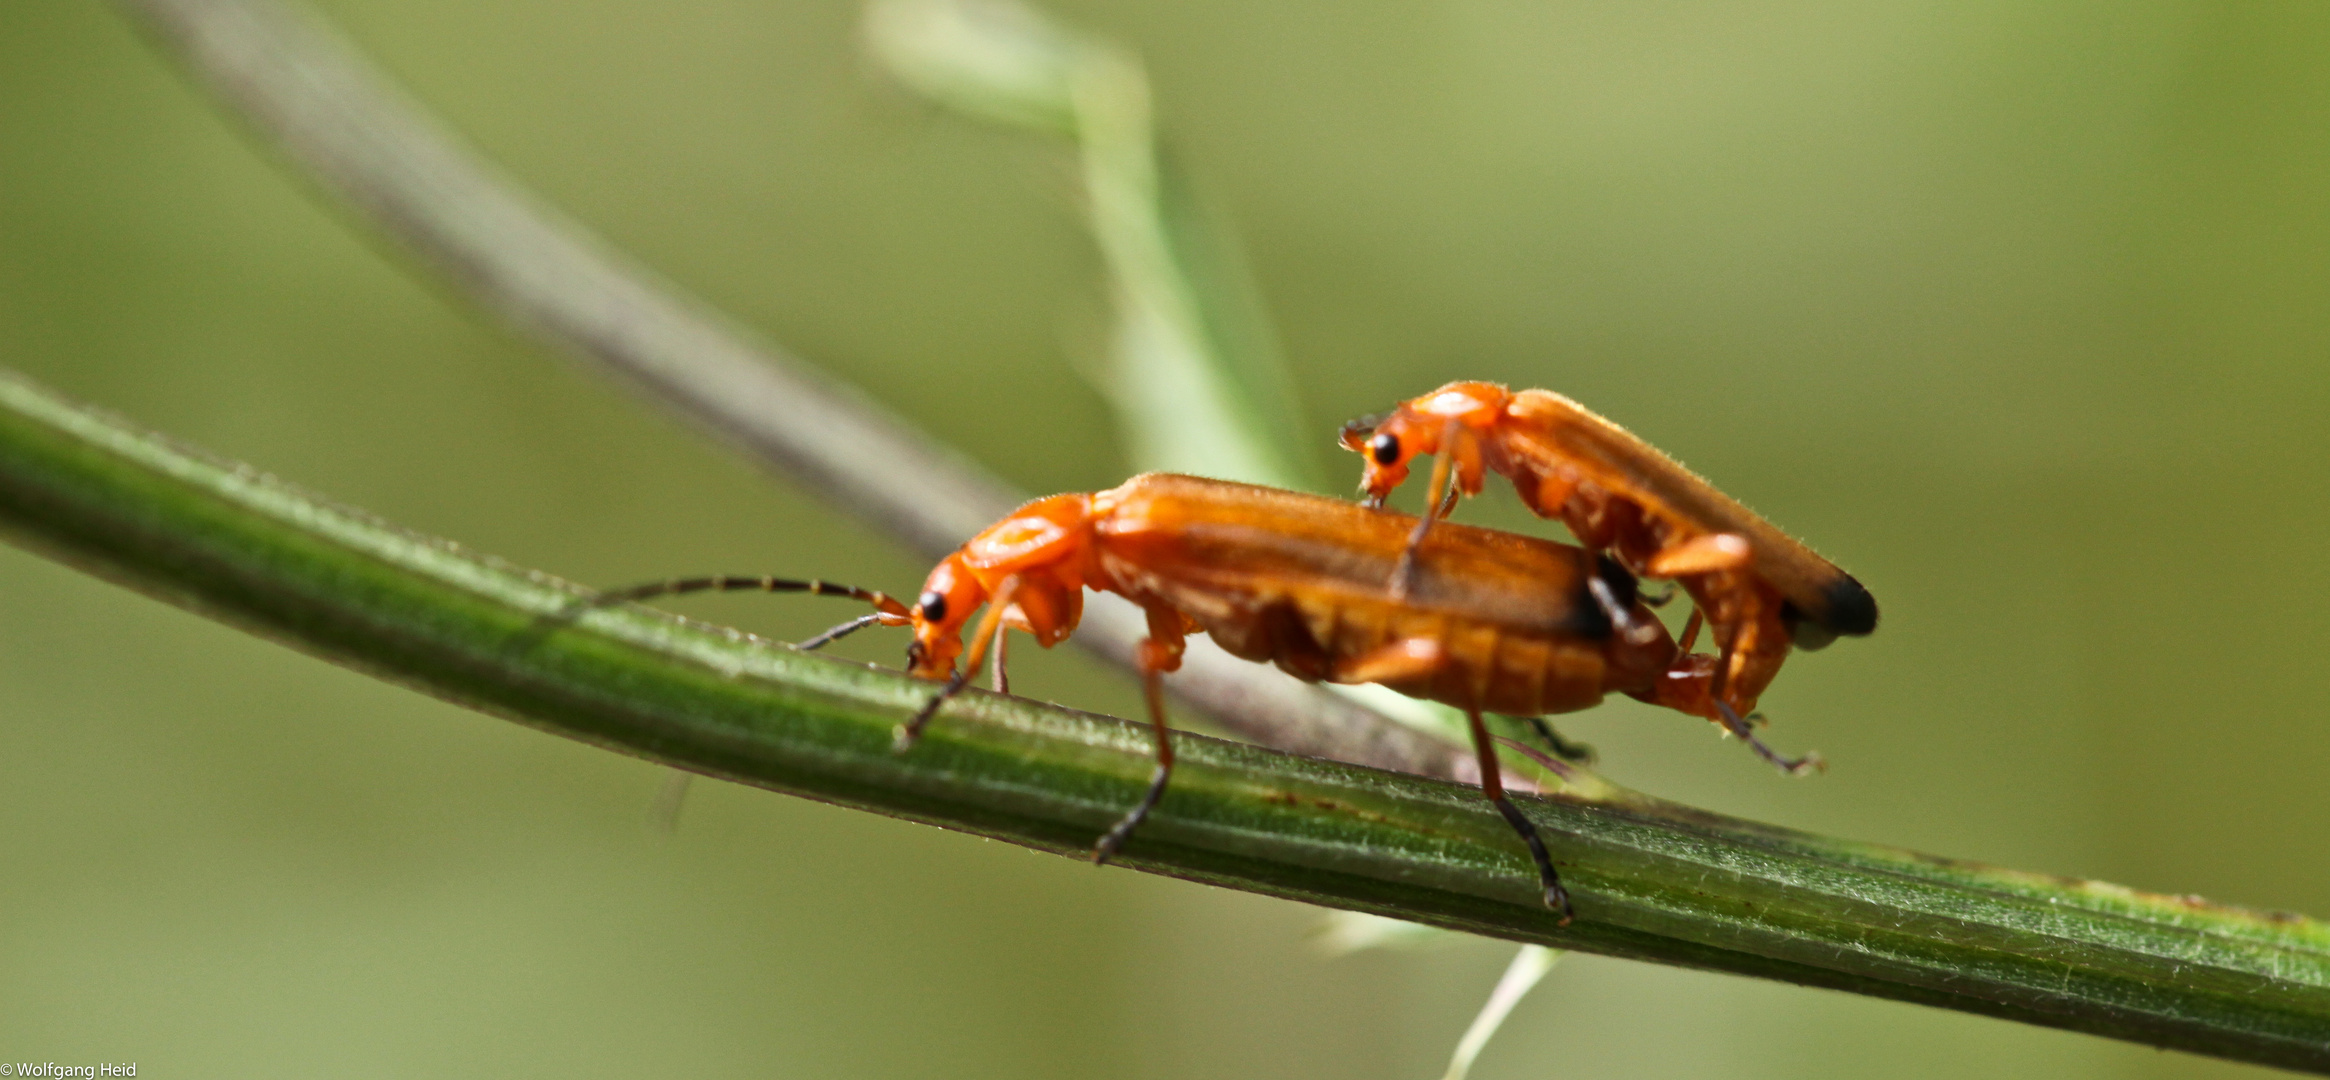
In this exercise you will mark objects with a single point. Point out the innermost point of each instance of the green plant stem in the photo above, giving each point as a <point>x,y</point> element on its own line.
<point>347,128</point>
<point>1652,881</point>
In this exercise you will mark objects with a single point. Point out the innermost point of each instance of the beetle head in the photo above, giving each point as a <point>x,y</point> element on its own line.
<point>1391,441</point>
<point>949,596</point>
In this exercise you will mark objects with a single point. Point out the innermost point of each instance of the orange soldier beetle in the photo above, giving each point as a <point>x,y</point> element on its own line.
<point>1491,622</point>
<point>1757,588</point>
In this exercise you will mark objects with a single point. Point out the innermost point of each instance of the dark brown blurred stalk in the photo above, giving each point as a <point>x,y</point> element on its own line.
<point>368,146</point>
<point>1653,881</point>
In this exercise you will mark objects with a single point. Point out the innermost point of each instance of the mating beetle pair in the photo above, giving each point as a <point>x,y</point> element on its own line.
<point>1332,591</point>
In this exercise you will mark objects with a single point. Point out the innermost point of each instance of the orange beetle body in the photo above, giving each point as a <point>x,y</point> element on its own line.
<point>1759,589</point>
<point>1490,622</point>
<point>1493,622</point>
<point>1297,580</point>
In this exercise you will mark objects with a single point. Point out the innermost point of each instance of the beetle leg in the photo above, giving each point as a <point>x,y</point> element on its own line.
<point>1548,493</point>
<point>1751,654</point>
<point>1755,642</point>
<point>990,624</point>
<point>1562,748</point>
<point>1691,631</point>
<point>1493,786</point>
<point>1406,568</point>
<point>1400,661</point>
<point>1438,490</point>
<point>1152,688</point>
<point>1701,555</point>
<point>902,738</point>
<point>1158,654</point>
<point>1810,762</point>
<point>1002,642</point>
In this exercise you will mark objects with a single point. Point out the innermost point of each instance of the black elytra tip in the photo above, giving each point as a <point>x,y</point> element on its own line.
<point>1851,610</point>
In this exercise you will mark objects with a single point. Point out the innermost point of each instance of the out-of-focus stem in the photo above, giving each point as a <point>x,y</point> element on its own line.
<point>366,144</point>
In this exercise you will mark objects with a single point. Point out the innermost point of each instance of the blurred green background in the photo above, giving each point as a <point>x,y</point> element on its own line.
<point>2018,311</point>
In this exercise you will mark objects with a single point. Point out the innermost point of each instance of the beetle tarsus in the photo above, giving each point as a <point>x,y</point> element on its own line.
<point>1493,786</point>
<point>1811,762</point>
<point>1154,653</point>
<point>902,737</point>
<point>1556,897</point>
<point>1114,839</point>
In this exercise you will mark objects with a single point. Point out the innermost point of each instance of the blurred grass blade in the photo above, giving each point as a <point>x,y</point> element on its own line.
<point>1195,375</point>
<point>1652,880</point>
<point>663,815</point>
<point>1522,975</point>
<point>1342,933</point>
<point>1228,301</point>
<point>999,62</point>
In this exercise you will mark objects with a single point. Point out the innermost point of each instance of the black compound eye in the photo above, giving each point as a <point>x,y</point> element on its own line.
<point>1385,448</point>
<point>932,605</point>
